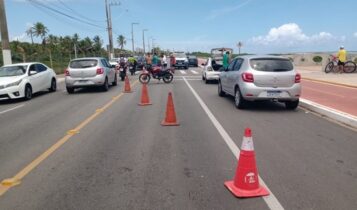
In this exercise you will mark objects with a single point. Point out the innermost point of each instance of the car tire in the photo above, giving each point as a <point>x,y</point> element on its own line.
<point>291,105</point>
<point>239,101</point>
<point>105,86</point>
<point>221,93</point>
<point>115,82</point>
<point>203,78</point>
<point>206,81</point>
<point>186,67</point>
<point>28,93</point>
<point>53,87</point>
<point>70,90</point>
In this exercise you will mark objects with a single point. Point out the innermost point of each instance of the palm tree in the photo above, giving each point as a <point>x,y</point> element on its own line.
<point>30,33</point>
<point>40,30</point>
<point>121,41</point>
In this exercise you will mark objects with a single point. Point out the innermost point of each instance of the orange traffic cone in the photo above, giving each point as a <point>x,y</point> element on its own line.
<point>246,181</point>
<point>144,96</point>
<point>127,88</point>
<point>170,119</point>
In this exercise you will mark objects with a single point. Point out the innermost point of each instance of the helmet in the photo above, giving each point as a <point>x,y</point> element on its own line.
<point>342,47</point>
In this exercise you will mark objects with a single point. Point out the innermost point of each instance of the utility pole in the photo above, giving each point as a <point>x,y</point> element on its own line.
<point>6,52</point>
<point>110,28</point>
<point>111,25</point>
<point>144,39</point>
<point>132,35</point>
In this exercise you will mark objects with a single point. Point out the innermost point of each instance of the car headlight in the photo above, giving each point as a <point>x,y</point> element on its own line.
<point>13,83</point>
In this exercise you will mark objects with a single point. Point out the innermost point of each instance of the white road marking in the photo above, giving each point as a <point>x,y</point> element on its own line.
<point>13,108</point>
<point>183,72</point>
<point>270,200</point>
<point>194,72</point>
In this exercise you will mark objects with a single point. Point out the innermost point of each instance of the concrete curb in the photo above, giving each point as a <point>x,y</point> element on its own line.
<point>334,114</point>
<point>328,82</point>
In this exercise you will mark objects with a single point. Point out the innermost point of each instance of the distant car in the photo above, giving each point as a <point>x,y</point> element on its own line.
<point>181,60</point>
<point>211,70</point>
<point>21,80</point>
<point>192,60</point>
<point>86,72</point>
<point>256,78</point>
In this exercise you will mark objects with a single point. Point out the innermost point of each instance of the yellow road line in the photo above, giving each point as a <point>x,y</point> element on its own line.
<point>8,183</point>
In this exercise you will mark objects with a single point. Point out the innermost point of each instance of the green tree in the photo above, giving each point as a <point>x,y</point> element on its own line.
<point>121,41</point>
<point>30,33</point>
<point>40,30</point>
<point>317,59</point>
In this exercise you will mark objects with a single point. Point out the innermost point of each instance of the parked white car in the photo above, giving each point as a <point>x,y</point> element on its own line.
<point>23,79</point>
<point>211,70</point>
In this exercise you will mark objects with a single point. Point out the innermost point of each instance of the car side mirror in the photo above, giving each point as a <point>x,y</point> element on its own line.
<point>33,73</point>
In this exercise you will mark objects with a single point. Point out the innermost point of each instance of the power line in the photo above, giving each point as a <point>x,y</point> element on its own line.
<point>68,8</point>
<point>64,14</point>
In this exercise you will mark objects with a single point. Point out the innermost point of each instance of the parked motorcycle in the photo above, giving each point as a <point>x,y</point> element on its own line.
<point>156,72</point>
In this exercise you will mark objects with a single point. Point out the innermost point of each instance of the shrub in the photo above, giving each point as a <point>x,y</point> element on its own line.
<point>302,59</point>
<point>317,59</point>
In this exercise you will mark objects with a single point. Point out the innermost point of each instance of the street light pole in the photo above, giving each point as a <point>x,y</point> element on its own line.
<point>132,35</point>
<point>6,52</point>
<point>144,39</point>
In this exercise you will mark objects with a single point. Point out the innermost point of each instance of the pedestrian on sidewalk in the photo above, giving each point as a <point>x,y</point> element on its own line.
<point>342,57</point>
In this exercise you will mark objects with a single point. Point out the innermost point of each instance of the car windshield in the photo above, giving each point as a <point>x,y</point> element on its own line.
<point>88,63</point>
<point>10,71</point>
<point>180,55</point>
<point>271,64</point>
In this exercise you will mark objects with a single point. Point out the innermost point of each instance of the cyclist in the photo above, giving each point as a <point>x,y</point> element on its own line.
<point>342,57</point>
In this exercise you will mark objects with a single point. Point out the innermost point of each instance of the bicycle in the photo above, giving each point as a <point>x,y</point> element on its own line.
<point>332,66</point>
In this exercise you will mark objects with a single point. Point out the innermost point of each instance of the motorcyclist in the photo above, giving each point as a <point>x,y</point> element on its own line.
<point>123,65</point>
<point>132,62</point>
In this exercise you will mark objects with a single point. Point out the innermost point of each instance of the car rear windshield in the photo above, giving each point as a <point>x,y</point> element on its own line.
<point>9,71</point>
<point>271,64</point>
<point>78,64</point>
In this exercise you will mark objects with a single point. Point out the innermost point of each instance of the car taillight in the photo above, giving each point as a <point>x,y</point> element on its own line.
<point>66,73</point>
<point>247,77</point>
<point>297,78</point>
<point>100,70</point>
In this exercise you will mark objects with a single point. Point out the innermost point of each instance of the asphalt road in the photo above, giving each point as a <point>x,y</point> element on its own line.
<point>122,158</point>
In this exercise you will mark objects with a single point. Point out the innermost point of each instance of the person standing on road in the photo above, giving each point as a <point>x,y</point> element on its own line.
<point>226,60</point>
<point>155,59</point>
<point>164,61</point>
<point>342,57</point>
<point>148,61</point>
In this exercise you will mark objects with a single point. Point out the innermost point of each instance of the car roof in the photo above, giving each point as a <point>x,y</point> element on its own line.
<point>85,58</point>
<point>23,64</point>
<point>260,56</point>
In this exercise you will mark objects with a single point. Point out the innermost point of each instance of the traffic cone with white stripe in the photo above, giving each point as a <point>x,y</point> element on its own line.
<point>246,180</point>
<point>127,88</point>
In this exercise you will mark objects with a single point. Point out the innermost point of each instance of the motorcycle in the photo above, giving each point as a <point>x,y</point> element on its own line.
<point>122,71</point>
<point>156,72</point>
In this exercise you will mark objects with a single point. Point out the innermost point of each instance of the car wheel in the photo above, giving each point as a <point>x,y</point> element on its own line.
<point>203,78</point>
<point>105,86</point>
<point>220,91</point>
<point>28,92</point>
<point>239,101</point>
<point>53,87</point>
<point>291,105</point>
<point>206,81</point>
<point>115,82</point>
<point>70,90</point>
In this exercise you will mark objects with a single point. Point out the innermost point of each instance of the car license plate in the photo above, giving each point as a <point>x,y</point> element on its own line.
<point>82,81</point>
<point>273,94</point>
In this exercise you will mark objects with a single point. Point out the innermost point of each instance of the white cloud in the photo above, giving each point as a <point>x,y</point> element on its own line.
<point>291,35</point>
<point>355,34</point>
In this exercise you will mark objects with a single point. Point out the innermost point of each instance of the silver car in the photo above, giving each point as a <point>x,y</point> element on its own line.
<point>86,72</point>
<point>256,78</point>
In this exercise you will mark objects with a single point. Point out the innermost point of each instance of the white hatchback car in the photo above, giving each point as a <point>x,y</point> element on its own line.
<point>211,70</point>
<point>257,78</point>
<point>21,80</point>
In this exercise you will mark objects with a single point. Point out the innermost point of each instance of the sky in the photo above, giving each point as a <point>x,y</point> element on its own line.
<point>263,26</point>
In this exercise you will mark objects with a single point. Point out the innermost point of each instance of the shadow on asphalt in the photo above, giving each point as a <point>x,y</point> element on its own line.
<point>20,100</point>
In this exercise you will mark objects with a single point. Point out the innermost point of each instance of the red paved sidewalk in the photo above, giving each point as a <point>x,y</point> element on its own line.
<point>338,97</point>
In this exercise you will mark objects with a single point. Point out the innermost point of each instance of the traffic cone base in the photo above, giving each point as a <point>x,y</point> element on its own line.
<point>240,193</point>
<point>144,104</point>
<point>163,123</point>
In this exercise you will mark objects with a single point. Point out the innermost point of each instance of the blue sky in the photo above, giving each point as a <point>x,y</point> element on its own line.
<point>264,26</point>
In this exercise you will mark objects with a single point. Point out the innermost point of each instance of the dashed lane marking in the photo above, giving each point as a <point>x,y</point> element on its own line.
<point>194,72</point>
<point>270,200</point>
<point>6,185</point>
<point>183,72</point>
